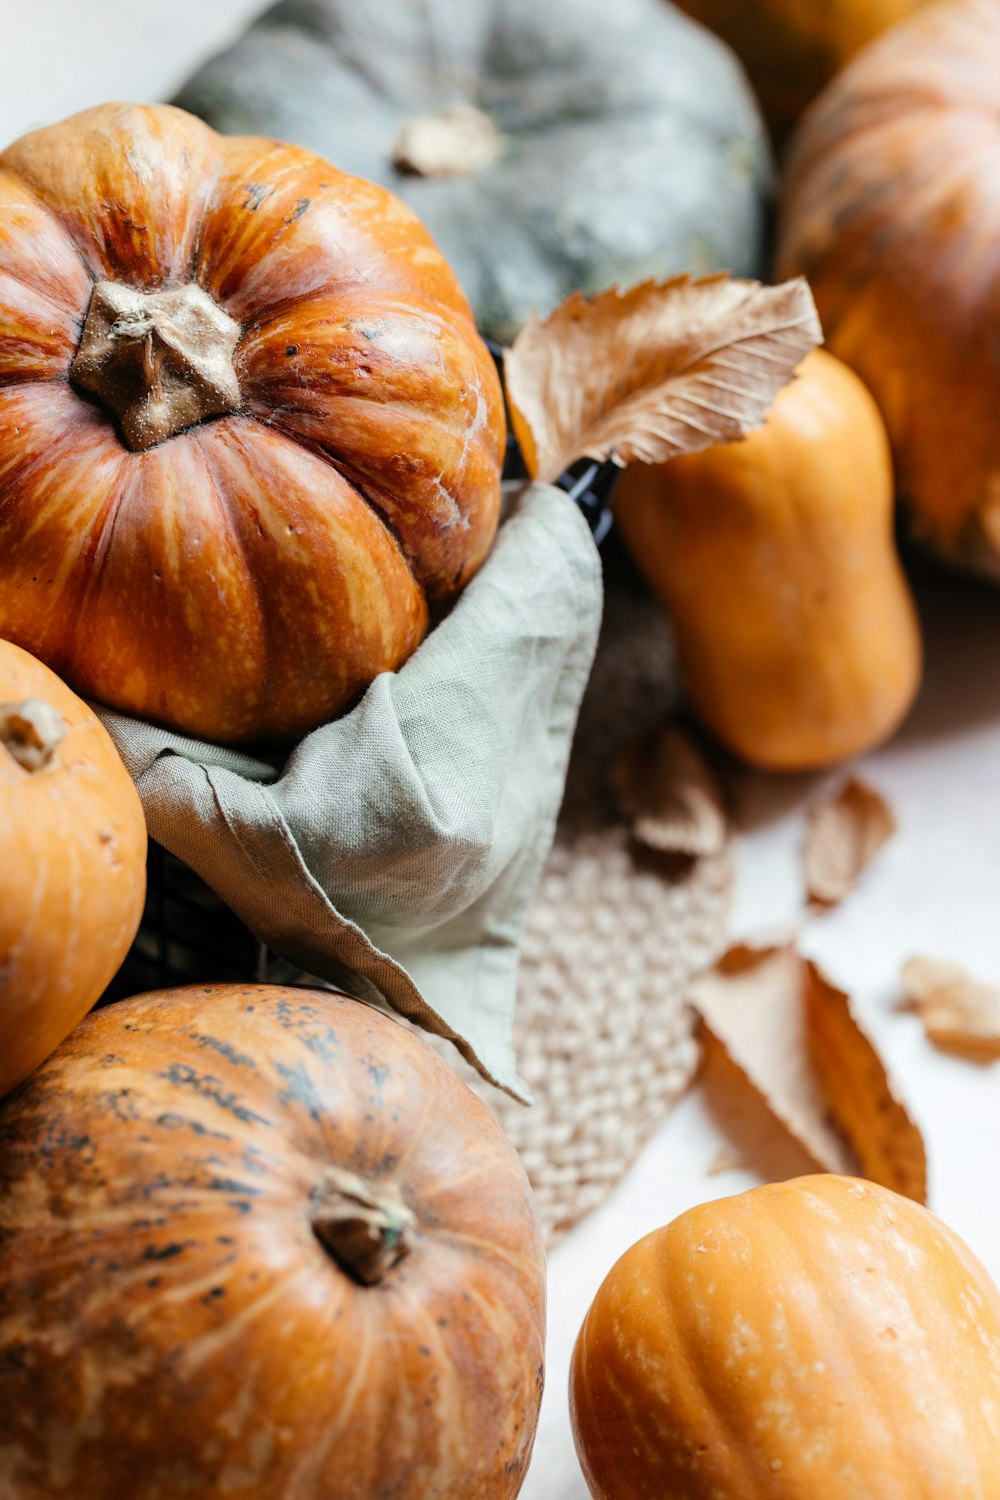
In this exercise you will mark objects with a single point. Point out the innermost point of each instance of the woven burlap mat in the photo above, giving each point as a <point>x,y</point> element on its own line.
<point>603,1035</point>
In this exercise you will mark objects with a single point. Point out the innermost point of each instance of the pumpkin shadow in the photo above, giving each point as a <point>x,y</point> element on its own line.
<point>960,619</point>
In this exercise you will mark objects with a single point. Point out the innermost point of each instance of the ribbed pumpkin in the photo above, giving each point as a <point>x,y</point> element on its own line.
<point>547,149</point>
<point>817,1338</point>
<point>776,561</point>
<point>262,1243</point>
<point>892,210</point>
<point>248,431</point>
<point>792,48</point>
<point>72,862</point>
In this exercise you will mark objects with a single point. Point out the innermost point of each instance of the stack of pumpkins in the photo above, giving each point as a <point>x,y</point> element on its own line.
<point>257,1241</point>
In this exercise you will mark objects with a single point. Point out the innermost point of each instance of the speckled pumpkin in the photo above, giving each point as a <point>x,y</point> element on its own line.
<point>547,147</point>
<point>249,435</point>
<point>892,210</point>
<point>792,48</point>
<point>262,1243</point>
<point>815,1338</point>
<point>72,862</point>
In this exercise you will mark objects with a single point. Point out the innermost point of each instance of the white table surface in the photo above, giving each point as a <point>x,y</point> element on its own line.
<point>936,889</point>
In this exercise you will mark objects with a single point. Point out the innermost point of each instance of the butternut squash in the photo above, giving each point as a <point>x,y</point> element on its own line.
<point>775,558</point>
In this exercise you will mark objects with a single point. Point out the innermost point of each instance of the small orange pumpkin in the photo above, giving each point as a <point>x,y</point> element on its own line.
<point>262,1243</point>
<point>792,48</point>
<point>249,435</point>
<point>776,561</point>
<point>821,1337</point>
<point>72,862</point>
<point>892,210</point>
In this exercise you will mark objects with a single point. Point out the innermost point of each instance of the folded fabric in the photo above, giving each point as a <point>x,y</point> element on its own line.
<point>397,849</point>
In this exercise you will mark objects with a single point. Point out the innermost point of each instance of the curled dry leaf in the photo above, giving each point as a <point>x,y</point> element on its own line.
<point>795,1038</point>
<point>960,1014</point>
<point>657,370</point>
<point>861,1095</point>
<point>845,833</point>
<point>669,796</point>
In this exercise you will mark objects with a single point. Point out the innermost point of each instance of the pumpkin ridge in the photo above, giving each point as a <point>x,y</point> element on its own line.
<point>54,216</point>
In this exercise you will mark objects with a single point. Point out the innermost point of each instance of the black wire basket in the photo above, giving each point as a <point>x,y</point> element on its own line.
<point>187,932</point>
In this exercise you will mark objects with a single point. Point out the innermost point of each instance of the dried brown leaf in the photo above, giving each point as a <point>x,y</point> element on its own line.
<point>751,1002</point>
<point>796,1039</point>
<point>845,833</point>
<point>960,1014</point>
<point>659,369</point>
<point>670,797</point>
<point>859,1091</point>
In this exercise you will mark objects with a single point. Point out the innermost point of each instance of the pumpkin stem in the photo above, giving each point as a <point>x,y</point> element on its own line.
<point>367,1230</point>
<point>31,732</point>
<point>456,142</point>
<point>161,361</point>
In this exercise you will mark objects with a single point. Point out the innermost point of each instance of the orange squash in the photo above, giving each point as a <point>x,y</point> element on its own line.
<point>892,210</point>
<point>262,1243</point>
<point>249,435</point>
<point>775,559</point>
<point>792,48</point>
<point>72,862</point>
<point>821,1337</point>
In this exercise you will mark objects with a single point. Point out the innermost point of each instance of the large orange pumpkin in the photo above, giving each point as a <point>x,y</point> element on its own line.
<point>776,561</point>
<point>72,862</point>
<point>817,1338</point>
<point>263,1243</point>
<point>892,210</point>
<point>791,48</point>
<point>249,435</point>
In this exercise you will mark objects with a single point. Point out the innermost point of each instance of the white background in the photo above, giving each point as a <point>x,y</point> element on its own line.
<point>935,890</point>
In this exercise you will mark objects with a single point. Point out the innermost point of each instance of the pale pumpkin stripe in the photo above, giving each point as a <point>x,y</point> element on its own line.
<point>284,224</point>
<point>135,214</point>
<point>36,250</point>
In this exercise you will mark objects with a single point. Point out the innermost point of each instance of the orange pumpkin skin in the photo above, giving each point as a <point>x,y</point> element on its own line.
<point>776,561</point>
<point>72,864</point>
<point>245,576</point>
<point>171,1322</point>
<point>892,209</point>
<point>792,48</point>
<point>820,1337</point>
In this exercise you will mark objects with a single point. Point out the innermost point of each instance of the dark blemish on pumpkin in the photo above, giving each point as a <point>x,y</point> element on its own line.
<point>292,350</point>
<point>229,1185</point>
<point>238,1059</point>
<point>224,1239</point>
<point>256,194</point>
<point>442,1322</point>
<point>379,1071</point>
<point>110,1058</point>
<point>389,1161</point>
<point>370,332</point>
<point>154,1282</point>
<point>213,1295</point>
<point>423,1349</point>
<point>239,1206</point>
<point>175,1122</point>
<point>166,1252</point>
<point>302,205</point>
<point>299,1089</point>
<point>210,1087</point>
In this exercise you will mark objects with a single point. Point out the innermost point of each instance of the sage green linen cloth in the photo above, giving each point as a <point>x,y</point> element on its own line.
<point>396,850</point>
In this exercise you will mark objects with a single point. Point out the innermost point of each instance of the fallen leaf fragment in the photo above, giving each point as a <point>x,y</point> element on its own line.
<point>845,833</point>
<point>862,1097</point>
<point>724,1160</point>
<point>669,796</point>
<point>960,1014</point>
<point>751,1002</point>
<point>656,370</point>
<point>795,1038</point>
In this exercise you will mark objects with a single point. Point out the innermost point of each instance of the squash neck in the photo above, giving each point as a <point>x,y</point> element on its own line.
<point>366,1229</point>
<point>160,361</point>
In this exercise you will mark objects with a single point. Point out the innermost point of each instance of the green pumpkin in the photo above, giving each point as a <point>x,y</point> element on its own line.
<point>547,146</point>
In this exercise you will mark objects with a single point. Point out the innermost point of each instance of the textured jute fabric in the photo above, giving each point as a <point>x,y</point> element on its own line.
<point>396,851</point>
<point>603,1035</point>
